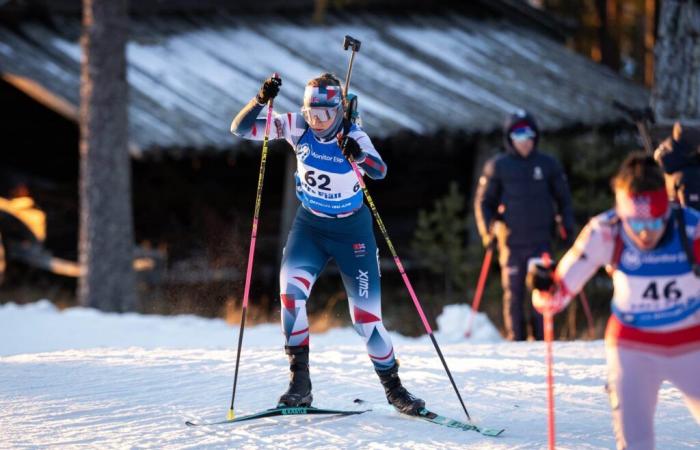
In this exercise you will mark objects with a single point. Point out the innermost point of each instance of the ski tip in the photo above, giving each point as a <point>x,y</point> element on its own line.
<point>492,432</point>
<point>190,424</point>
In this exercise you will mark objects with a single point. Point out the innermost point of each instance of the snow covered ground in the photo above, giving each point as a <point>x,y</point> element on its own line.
<point>80,378</point>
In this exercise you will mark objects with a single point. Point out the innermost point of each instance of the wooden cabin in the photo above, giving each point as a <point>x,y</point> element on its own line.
<point>434,84</point>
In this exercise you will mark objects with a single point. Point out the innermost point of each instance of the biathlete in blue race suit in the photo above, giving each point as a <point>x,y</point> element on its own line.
<point>331,222</point>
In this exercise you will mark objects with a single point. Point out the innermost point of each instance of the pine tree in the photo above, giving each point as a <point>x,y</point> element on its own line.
<point>106,243</point>
<point>439,239</point>
<point>676,92</point>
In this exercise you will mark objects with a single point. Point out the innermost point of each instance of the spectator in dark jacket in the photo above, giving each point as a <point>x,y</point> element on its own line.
<point>519,195</point>
<point>679,157</point>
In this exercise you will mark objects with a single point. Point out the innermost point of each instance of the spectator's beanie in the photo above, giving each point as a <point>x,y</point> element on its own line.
<point>519,120</point>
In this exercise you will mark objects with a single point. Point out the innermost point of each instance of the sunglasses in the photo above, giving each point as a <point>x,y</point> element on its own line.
<point>639,225</point>
<point>314,114</point>
<point>522,134</point>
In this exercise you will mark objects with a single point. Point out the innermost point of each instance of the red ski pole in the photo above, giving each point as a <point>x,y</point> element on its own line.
<point>548,320</point>
<point>483,275</point>
<point>549,358</point>
<point>251,251</point>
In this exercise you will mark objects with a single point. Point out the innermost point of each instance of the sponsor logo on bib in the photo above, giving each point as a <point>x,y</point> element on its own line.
<point>303,151</point>
<point>631,259</point>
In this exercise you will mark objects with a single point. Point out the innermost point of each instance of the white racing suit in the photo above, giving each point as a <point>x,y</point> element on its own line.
<point>653,334</point>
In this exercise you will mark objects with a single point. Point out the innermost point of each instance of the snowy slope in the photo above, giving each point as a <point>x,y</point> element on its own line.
<point>80,378</point>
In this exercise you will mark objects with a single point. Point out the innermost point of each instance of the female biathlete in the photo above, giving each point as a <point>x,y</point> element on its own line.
<point>331,222</point>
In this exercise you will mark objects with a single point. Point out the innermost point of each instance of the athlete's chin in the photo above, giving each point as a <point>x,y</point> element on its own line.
<point>646,244</point>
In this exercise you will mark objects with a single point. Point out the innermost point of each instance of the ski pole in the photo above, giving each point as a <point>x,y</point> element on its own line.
<point>549,359</point>
<point>355,44</point>
<point>406,281</point>
<point>480,287</point>
<point>251,251</point>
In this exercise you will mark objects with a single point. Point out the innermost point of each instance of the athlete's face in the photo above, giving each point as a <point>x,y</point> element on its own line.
<point>645,232</point>
<point>647,238</point>
<point>320,118</point>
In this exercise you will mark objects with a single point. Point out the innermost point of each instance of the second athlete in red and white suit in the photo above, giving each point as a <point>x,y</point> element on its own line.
<point>653,334</point>
<point>332,222</point>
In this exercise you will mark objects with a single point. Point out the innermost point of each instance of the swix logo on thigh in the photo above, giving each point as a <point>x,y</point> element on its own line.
<point>360,249</point>
<point>363,283</point>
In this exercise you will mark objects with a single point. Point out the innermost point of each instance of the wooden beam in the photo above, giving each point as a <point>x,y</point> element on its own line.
<point>43,96</point>
<point>56,103</point>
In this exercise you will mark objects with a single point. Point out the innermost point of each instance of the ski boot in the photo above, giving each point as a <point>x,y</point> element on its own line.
<point>299,391</point>
<point>396,394</point>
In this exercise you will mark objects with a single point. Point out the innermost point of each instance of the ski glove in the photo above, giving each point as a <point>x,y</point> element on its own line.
<point>268,90</point>
<point>351,148</point>
<point>540,275</point>
<point>548,296</point>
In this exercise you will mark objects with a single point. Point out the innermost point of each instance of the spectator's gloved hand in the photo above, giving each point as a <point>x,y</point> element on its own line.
<point>268,90</point>
<point>488,241</point>
<point>350,148</point>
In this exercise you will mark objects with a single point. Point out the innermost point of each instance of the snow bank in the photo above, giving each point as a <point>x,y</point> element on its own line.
<point>41,327</point>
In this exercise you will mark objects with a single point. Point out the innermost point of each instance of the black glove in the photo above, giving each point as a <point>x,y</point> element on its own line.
<point>268,90</point>
<point>539,276</point>
<point>350,147</point>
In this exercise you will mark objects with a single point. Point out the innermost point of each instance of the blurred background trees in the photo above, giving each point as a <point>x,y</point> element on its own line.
<point>617,33</point>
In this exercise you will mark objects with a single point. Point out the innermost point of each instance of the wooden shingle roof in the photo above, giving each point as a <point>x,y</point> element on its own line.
<point>189,74</point>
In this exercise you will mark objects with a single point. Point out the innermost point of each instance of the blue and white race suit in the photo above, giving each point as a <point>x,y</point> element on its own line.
<point>332,222</point>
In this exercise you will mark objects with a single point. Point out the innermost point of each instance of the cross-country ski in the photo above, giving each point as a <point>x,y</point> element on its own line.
<point>280,411</point>
<point>430,416</point>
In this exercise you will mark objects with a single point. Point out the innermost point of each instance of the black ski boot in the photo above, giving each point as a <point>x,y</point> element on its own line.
<point>396,394</point>
<point>299,392</point>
